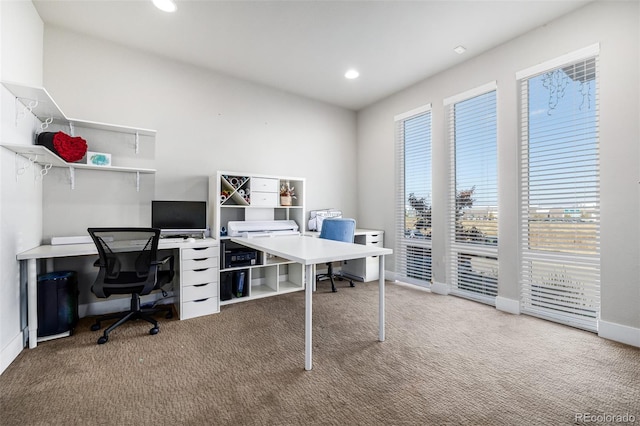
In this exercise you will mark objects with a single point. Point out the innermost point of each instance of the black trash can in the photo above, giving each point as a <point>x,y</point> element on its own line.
<point>57,303</point>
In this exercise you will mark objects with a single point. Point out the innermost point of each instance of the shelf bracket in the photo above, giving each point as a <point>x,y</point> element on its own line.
<point>27,162</point>
<point>137,181</point>
<point>72,177</point>
<point>43,172</point>
<point>72,129</point>
<point>28,105</point>
<point>45,124</point>
<point>137,142</point>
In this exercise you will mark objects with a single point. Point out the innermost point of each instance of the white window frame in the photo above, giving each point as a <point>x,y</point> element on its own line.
<point>575,267</point>
<point>403,244</point>
<point>455,249</point>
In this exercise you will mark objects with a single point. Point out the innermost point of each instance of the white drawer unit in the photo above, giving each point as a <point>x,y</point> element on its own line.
<point>264,192</point>
<point>372,239</point>
<point>199,276</point>
<point>264,185</point>
<point>264,199</point>
<point>199,291</point>
<point>365,269</point>
<point>199,287</point>
<point>198,308</point>
<point>199,252</point>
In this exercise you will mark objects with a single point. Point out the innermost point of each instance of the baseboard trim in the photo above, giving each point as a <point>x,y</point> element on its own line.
<point>619,333</point>
<point>389,275</point>
<point>11,352</point>
<point>412,286</point>
<point>439,288</point>
<point>508,305</point>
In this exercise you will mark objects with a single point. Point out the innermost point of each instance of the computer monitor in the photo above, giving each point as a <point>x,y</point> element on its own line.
<point>179,217</point>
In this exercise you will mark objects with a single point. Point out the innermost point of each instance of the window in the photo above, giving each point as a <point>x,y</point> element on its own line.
<point>473,211</point>
<point>413,202</point>
<point>560,271</point>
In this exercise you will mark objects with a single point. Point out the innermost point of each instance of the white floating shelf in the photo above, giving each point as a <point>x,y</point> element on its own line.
<point>45,108</point>
<point>41,155</point>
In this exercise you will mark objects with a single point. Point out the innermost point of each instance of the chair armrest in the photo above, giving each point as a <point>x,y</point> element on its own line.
<point>164,261</point>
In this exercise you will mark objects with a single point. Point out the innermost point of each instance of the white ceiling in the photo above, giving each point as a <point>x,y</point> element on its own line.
<point>305,47</point>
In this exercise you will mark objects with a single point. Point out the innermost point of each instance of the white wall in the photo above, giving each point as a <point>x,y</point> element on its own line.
<point>205,122</point>
<point>21,31</point>
<point>612,24</point>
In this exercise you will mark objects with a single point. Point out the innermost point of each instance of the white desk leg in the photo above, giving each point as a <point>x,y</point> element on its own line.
<point>381,302</point>
<point>308,291</point>
<point>32,302</point>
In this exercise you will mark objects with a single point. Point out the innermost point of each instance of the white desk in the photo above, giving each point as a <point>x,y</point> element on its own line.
<point>364,269</point>
<point>71,250</point>
<point>309,251</point>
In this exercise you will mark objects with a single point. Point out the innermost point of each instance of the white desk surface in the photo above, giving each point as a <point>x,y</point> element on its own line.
<point>310,251</point>
<point>87,249</point>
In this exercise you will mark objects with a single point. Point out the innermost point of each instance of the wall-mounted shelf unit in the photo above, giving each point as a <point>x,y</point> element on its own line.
<point>39,154</point>
<point>37,101</point>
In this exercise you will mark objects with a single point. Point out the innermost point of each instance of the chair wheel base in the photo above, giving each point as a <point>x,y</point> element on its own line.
<point>102,340</point>
<point>154,330</point>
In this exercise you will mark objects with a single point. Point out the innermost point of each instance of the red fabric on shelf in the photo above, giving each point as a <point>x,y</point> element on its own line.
<point>70,148</point>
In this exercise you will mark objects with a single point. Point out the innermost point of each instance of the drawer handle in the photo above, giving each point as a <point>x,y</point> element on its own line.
<point>201,285</point>
<point>200,270</point>
<point>199,248</point>
<point>374,235</point>
<point>201,300</point>
<point>200,260</point>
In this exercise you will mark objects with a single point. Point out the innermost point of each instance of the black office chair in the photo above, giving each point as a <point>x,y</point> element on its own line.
<point>337,229</point>
<point>128,265</point>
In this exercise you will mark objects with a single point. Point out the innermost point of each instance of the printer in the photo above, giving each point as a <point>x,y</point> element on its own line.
<point>262,228</point>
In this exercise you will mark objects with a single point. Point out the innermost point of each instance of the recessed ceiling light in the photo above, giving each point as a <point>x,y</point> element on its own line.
<point>351,74</point>
<point>460,50</point>
<point>165,5</point>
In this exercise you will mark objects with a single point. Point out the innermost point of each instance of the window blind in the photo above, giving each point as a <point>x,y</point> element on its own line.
<point>560,195</point>
<point>413,196</point>
<point>473,211</point>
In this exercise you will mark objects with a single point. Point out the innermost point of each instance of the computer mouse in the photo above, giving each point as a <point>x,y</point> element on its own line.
<point>189,240</point>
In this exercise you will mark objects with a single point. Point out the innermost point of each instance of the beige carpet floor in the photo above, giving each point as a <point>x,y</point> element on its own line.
<point>446,361</point>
